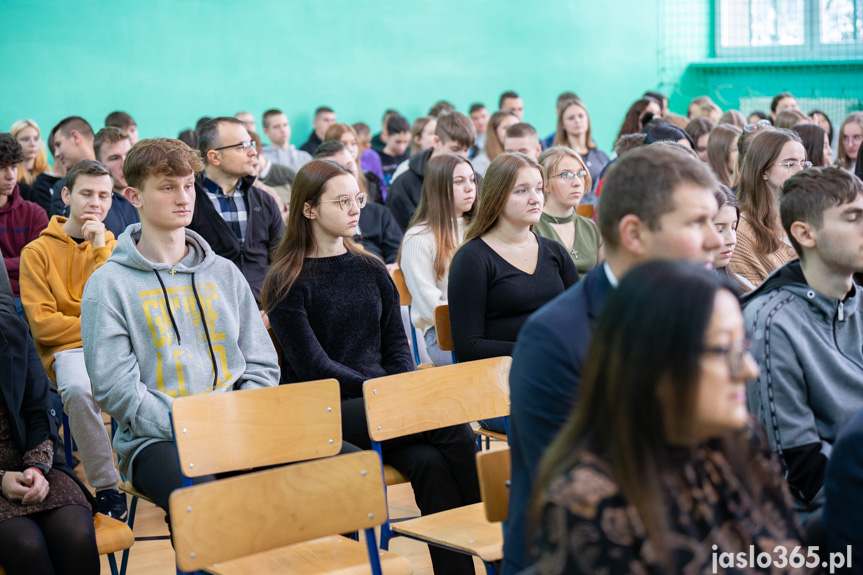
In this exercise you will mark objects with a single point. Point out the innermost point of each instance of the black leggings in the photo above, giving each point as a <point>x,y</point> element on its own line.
<point>57,541</point>
<point>440,464</point>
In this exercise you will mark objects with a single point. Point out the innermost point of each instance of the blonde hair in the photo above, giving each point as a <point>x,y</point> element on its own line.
<point>40,164</point>
<point>550,160</point>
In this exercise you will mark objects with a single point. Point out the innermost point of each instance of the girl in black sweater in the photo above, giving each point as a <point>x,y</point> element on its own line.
<point>503,272</point>
<point>335,311</point>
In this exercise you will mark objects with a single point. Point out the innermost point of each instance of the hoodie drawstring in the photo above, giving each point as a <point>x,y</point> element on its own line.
<point>203,318</point>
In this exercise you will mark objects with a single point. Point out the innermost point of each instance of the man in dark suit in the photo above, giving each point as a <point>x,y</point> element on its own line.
<point>658,203</point>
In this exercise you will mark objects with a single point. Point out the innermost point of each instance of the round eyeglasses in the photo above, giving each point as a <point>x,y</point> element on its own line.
<point>795,167</point>
<point>347,202</point>
<point>735,354</point>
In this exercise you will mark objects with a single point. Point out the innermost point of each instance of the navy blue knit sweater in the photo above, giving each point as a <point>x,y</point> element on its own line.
<point>341,319</point>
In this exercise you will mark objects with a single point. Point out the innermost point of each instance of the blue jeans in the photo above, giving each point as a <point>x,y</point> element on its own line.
<point>495,424</point>
<point>435,353</point>
<point>19,309</point>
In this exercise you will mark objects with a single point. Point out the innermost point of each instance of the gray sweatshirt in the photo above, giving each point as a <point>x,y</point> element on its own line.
<point>809,348</point>
<point>147,342</point>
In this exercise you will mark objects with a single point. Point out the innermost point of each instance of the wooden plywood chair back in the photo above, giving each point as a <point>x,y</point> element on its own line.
<point>585,210</point>
<point>494,469</point>
<point>402,286</point>
<point>239,516</point>
<point>427,399</point>
<point>442,328</point>
<point>238,430</point>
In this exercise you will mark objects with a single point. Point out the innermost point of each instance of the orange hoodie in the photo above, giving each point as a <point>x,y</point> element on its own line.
<point>54,270</point>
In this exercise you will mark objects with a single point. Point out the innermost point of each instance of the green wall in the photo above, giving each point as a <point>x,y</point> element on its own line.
<point>168,62</point>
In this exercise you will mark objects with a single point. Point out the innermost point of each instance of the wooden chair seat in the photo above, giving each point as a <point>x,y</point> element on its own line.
<point>585,210</point>
<point>464,529</point>
<point>332,554</point>
<point>112,535</point>
<point>393,476</point>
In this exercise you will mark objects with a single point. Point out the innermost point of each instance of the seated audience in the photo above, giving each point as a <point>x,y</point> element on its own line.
<point>7,302</point>
<point>370,160</point>
<point>190,138</point>
<point>695,105</point>
<point>248,121</point>
<point>454,134</point>
<point>733,118</point>
<point>726,220</point>
<point>35,158</point>
<point>422,138</point>
<point>641,112</point>
<point>842,519</point>
<point>562,100</point>
<point>125,122</point>
<point>369,183</point>
<point>699,130</point>
<point>788,118</point>
<point>757,116</point>
<point>722,151</point>
<point>54,270</point>
<point>657,203</point>
<point>111,146</point>
<point>710,111</point>
<point>821,119</point>
<point>275,179</point>
<point>238,221</point>
<point>660,468</point>
<point>21,221</point>
<point>749,133</point>
<point>850,137</point>
<point>809,329</point>
<point>522,138</point>
<point>567,180</point>
<point>503,271</point>
<point>816,143</point>
<point>46,517</point>
<point>661,98</point>
<point>281,151</point>
<point>512,102</point>
<point>73,142</point>
<point>379,140</point>
<point>437,228</point>
<point>321,279</point>
<point>42,188</point>
<point>377,231</point>
<point>665,132</point>
<point>762,244</point>
<point>324,118</point>
<point>573,131</point>
<point>165,317</point>
<point>494,134</point>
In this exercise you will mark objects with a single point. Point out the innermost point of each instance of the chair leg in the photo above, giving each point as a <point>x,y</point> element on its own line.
<point>374,557</point>
<point>124,561</point>
<point>489,568</point>
<point>112,562</point>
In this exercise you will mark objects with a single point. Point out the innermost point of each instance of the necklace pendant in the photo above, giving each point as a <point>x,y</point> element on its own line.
<point>574,253</point>
<point>172,272</point>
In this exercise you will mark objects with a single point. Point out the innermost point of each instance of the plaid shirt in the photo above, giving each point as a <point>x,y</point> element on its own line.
<point>232,208</point>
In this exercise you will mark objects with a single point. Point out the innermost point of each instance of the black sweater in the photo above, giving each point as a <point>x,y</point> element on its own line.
<point>341,319</point>
<point>489,299</point>
<point>379,233</point>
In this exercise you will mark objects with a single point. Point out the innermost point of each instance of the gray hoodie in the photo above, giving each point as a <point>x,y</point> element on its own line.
<point>145,343</point>
<point>809,348</point>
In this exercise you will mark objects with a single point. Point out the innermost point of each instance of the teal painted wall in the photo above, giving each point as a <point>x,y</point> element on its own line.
<point>168,62</point>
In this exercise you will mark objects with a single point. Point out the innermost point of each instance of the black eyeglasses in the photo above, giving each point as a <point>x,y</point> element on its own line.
<point>244,145</point>
<point>735,354</point>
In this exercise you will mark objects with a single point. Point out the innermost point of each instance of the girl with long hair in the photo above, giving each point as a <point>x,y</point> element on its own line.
<point>35,157</point>
<point>335,313</point>
<point>773,156</point>
<point>435,231</point>
<point>573,131</point>
<point>850,138</point>
<point>660,468</point>
<point>816,142</point>
<point>568,180</point>
<point>722,151</point>
<point>494,134</point>
<point>503,271</point>
<point>726,220</point>
<point>369,183</point>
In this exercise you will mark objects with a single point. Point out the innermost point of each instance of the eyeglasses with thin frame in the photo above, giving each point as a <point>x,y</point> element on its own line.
<point>794,167</point>
<point>347,202</point>
<point>243,145</point>
<point>735,354</point>
<point>757,125</point>
<point>569,176</point>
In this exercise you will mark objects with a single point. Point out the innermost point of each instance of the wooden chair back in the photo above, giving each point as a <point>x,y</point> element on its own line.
<point>222,432</point>
<point>442,328</point>
<point>402,286</point>
<point>239,516</point>
<point>427,399</point>
<point>585,210</point>
<point>494,469</point>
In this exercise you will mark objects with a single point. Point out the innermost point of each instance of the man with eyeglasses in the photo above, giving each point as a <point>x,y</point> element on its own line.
<point>807,330</point>
<point>240,221</point>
